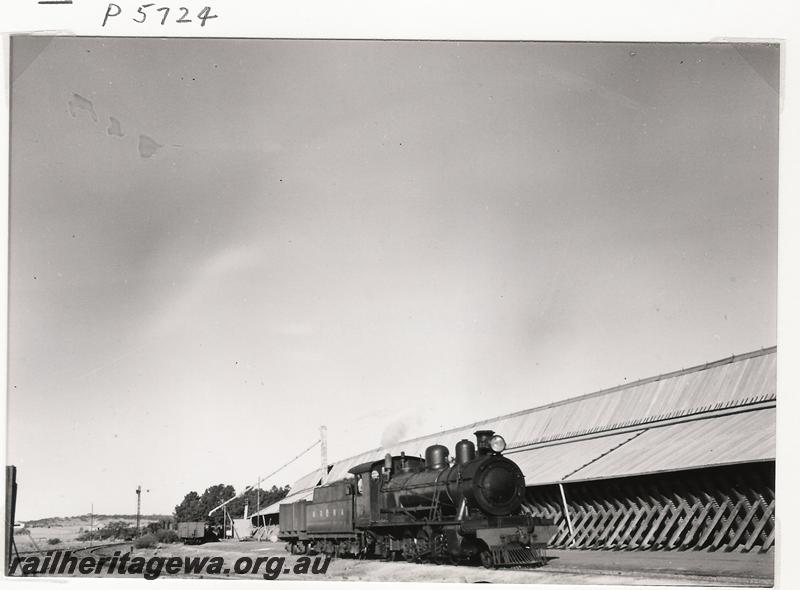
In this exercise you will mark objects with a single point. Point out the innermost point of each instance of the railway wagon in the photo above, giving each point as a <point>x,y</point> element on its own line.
<point>192,532</point>
<point>432,509</point>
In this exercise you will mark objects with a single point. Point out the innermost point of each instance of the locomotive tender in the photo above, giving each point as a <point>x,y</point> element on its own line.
<point>424,510</point>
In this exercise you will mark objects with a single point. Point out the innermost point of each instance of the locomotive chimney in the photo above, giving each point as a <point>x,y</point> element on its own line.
<point>483,437</point>
<point>387,467</point>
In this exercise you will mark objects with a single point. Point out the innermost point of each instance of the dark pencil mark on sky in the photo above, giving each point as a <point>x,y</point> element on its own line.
<point>79,103</point>
<point>148,146</point>
<point>115,128</point>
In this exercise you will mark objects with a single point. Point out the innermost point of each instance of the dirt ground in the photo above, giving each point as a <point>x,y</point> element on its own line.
<point>65,532</point>
<point>564,567</point>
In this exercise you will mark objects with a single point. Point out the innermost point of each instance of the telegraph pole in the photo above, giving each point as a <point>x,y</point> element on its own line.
<point>138,509</point>
<point>323,443</point>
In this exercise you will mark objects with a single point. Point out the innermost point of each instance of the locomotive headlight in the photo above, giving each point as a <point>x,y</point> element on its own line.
<point>497,443</point>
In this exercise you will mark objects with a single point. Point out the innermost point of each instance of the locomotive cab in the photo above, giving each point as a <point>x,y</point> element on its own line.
<point>368,479</point>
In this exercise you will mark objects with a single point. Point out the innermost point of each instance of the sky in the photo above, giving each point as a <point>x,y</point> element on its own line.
<point>217,246</point>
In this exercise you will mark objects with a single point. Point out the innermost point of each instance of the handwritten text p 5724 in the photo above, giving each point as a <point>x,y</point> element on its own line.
<point>157,14</point>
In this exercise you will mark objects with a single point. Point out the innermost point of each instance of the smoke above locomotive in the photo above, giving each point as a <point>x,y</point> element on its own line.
<point>433,509</point>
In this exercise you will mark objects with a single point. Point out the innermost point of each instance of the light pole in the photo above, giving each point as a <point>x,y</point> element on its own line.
<point>138,509</point>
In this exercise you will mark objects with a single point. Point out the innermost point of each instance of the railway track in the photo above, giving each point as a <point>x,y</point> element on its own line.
<point>92,549</point>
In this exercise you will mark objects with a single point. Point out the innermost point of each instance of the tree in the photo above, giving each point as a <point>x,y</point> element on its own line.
<point>274,494</point>
<point>195,508</point>
<point>213,497</point>
<point>191,509</point>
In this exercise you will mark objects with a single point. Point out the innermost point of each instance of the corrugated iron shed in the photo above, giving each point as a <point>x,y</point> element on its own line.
<point>736,438</point>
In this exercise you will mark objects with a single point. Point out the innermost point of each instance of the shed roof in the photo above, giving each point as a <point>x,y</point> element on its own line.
<point>736,438</point>
<point>308,481</point>
<point>555,462</point>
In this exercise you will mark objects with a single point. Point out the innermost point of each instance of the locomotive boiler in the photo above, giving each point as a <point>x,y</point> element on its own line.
<point>489,481</point>
<point>433,509</point>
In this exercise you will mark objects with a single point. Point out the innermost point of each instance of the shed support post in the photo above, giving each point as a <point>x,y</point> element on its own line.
<point>566,514</point>
<point>323,443</point>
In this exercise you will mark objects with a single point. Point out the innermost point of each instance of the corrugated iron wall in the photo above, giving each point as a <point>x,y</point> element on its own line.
<point>729,508</point>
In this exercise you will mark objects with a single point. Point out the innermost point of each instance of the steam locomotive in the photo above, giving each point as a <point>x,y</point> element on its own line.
<point>434,510</point>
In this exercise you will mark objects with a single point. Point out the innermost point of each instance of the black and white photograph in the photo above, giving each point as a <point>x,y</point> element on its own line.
<point>392,310</point>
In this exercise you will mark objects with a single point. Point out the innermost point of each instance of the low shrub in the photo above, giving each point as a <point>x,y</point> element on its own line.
<point>145,541</point>
<point>167,536</point>
<point>54,541</point>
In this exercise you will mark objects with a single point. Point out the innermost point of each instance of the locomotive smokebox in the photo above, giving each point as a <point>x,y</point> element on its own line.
<point>465,451</point>
<point>436,457</point>
<point>483,437</point>
<point>497,485</point>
